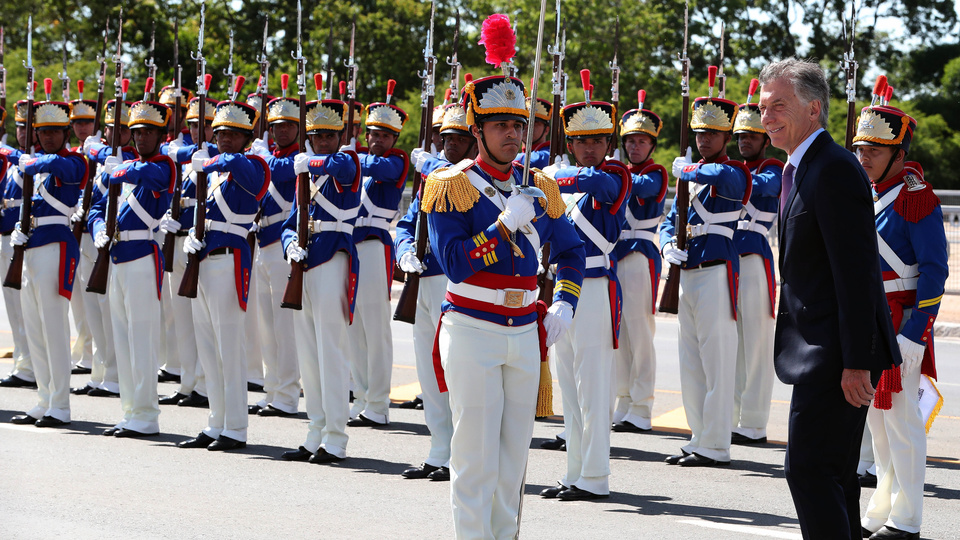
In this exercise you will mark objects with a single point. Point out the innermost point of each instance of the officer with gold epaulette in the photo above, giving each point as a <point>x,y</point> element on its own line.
<point>639,263</point>
<point>719,187</point>
<point>913,255</point>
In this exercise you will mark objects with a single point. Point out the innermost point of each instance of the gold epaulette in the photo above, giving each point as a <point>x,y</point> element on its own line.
<point>554,203</point>
<point>448,189</point>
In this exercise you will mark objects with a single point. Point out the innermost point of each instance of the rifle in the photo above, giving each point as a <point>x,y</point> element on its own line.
<point>850,70</point>
<point>64,77</point>
<point>454,64</point>
<point>329,66</point>
<point>670,299</point>
<point>170,239</point>
<point>98,276</point>
<point>191,274</point>
<point>14,275</point>
<point>615,89</point>
<point>407,304</point>
<point>721,78</point>
<point>231,77</point>
<point>546,280</point>
<point>351,83</point>
<point>151,66</point>
<point>293,293</point>
<point>92,171</point>
<point>3,78</point>
<point>261,127</point>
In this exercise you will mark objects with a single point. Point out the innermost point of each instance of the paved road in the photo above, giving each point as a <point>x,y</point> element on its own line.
<point>74,482</point>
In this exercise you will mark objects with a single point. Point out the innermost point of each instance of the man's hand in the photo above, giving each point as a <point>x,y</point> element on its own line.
<point>519,211</point>
<point>191,244</point>
<point>912,354</point>
<point>294,252</point>
<point>557,321</point>
<point>111,163</point>
<point>173,147</point>
<point>169,225</point>
<point>101,239</point>
<point>673,255</point>
<point>260,148</point>
<point>199,158</point>
<point>410,264</point>
<point>419,158</point>
<point>856,387</point>
<point>301,163</point>
<point>551,170</point>
<point>90,141</point>
<point>18,237</point>
<point>682,161</point>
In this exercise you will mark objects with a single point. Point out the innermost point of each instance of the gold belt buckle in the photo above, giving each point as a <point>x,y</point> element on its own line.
<point>513,298</point>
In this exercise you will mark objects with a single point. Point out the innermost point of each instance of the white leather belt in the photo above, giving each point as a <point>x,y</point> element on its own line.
<point>375,222</point>
<point>270,220</point>
<point>318,226</point>
<point>598,261</point>
<point>752,226</point>
<point>126,236</point>
<point>897,284</point>
<point>49,220</point>
<point>11,203</point>
<point>510,298</point>
<point>228,228</point>
<point>187,202</point>
<point>694,231</point>
<point>639,235</point>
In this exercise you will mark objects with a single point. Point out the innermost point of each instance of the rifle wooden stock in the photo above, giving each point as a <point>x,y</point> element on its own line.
<point>14,275</point>
<point>670,299</point>
<point>293,293</point>
<point>191,274</point>
<point>851,124</point>
<point>91,170</point>
<point>101,268</point>
<point>545,281</point>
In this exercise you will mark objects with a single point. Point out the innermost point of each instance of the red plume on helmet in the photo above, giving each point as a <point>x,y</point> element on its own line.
<point>284,84</point>
<point>391,85</point>
<point>497,36</point>
<point>318,84</point>
<point>48,87</point>
<point>641,97</point>
<point>587,87</point>
<point>711,79</point>
<point>80,88</point>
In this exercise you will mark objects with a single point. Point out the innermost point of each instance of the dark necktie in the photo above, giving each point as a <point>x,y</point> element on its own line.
<point>786,184</point>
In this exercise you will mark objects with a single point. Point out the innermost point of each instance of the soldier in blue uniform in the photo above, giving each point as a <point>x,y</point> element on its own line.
<point>913,252</point>
<point>489,344</point>
<point>329,281</point>
<point>136,270</point>
<point>237,183</point>
<point>384,172</point>
<point>458,145</point>
<point>22,374</point>
<point>758,285</point>
<point>719,187</point>
<point>281,375</point>
<point>638,263</point>
<point>193,383</point>
<point>595,192</point>
<point>50,261</point>
<point>168,96</point>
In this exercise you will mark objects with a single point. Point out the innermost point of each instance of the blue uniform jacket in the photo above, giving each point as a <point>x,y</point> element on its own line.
<point>406,239</point>
<point>284,182</point>
<point>646,201</point>
<point>383,181</point>
<point>539,156</point>
<point>11,190</point>
<point>188,187</point>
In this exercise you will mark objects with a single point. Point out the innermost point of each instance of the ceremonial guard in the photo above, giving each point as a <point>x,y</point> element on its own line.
<point>384,172</point>
<point>491,337</point>
<point>168,96</point>
<point>281,375</point>
<point>50,260</point>
<point>458,145</point>
<point>22,374</point>
<point>193,383</point>
<point>595,191</point>
<point>913,252</point>
<point>237,183</point>
<point>82,115</point>
<point>331,268</point>
<point>639,265</point>
<point>136,272</point>
<point>104,377</point>
<point>757,287</point>
<point>719,187</point>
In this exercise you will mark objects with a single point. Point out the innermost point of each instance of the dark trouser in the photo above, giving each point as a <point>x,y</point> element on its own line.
<point>821,462</point>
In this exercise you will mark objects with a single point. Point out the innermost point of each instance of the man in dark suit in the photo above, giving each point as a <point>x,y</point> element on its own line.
<point>834,335</point>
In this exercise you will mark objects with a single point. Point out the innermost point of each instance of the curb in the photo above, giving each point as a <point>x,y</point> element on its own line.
<point>946,330</point>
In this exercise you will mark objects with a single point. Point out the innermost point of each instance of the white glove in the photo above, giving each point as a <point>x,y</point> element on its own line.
<point>682,161</point>
<point>351,146</point>
<point>101,239</point>
<point>296,253</point>
<point>308,149</point>
<point>168,224</point>
<point>564,160</point>
<point>24,161</point>
<point>174,146</point>
<point>616,155</point>
<point>410,264</point>
<point>260,148</point>
<point>301,163</point>
<point>254,227</point>
<point>199,158</point>
<point>557,321</point>
<point>90,141</point>
<point>111,163</point>
<point>551,170</point>
<point>519,211</point>
<point>419,158</point>
<point>912,354</point>
<point>191,244</point>
<point>3,140</point>
<point>18,237</point>
<point>673,255</point>
<point>77,216</point>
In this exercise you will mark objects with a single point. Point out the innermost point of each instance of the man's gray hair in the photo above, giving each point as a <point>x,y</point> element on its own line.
<point>807,79</point>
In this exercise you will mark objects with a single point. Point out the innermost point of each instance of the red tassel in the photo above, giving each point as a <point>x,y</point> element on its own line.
<point>48,87</point>
<point>880,86</point>
<point>754,84</point>
<point>468,77</point>
<point>711,75</point>
<point>206,81</point>
<point>285,81</point>
<point>890,383</point>
<point>318,80</point>
<point>447,94</point>
<point>148,87</point>
<point>80,87</point>
<point>497,36</point>
<point>642,97</point>
<point>124,85</point>
<point>889,94</point>
<point>343,88</point>
<point>916,205</point>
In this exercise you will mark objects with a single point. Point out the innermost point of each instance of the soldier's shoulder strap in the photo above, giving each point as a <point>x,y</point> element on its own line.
<point>917,199</point>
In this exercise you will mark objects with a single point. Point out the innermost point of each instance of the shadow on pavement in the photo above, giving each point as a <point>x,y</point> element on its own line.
<point>654,505</point>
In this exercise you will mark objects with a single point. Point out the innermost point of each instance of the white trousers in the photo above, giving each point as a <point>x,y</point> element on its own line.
<point>900,449</point>
<point>436,406</point>
<point>191,372</point>
<point>281,378</point>
<point>636,358</point>
<point>137,330</point>
<point>584,356</point>
<point>47,326</point>
<point>169,352</point>
<point>755,331</point>
<point>103,373</point>
<point>708,360</point>
<point>22,366</point>
<point>320,332</point>
<point>82,350</point>
<point>252,330</point>
<point>220,325</point>
<point>370,335</point>
<point>492,373</point>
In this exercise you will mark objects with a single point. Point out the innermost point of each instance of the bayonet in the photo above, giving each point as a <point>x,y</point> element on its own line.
<point>850,70</point>
<point>615,86</point>
<point>64,77</point>
<point>169,239</point>
<point>3,76</point>
<point>330,62</point>
<point>454,63</point>
<point>229,71</point>
<point>151,66</point>
<point>351,65</point>
<point>427,91</point>
<point>684,60</point>
<point>263,83</point>
<point>721,78</point>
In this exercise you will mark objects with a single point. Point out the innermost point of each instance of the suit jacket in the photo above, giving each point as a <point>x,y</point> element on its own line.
<point>833,313</point>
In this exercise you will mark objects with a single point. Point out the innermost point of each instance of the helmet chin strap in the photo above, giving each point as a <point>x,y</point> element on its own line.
<point>889,165</point>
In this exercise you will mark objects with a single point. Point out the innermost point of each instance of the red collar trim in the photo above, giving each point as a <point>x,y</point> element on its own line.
<point>722,159</point>
<point>284,152</point>
<point>636,168</point>
<point>495,173</point>
<point>890,182</point>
